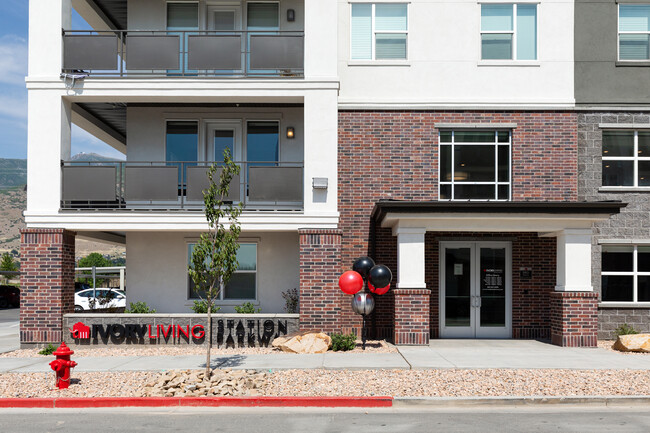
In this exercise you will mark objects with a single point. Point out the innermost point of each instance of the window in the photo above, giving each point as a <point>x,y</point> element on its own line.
<point>626,158</point>
<point>474,165</point>
<point>625,273</point>
<point>509,31</point>
<point>379,31</point>
<point>182,17</point>
<point>182,144</point>
<point>243,283</point>
<point>634,32</point>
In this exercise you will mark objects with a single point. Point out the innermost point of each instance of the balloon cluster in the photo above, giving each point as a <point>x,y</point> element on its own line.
<point>364,269</point>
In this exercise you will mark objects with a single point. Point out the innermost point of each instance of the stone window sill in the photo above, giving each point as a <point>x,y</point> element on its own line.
<point>605,305</point>
<point>510,63</point>
<point>623,189</point>
<point>405,63</point>
<point>633,63</point>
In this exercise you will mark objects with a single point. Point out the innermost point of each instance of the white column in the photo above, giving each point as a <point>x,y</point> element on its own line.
<point>320,151</point>
<point>321,38</point>
<point>410,257</point>
<point>48,142</point>
<point>46,20</point>
<point>574,261</point>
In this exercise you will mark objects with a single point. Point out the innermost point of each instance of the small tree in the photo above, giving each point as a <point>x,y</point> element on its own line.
<point>8,264</point>
<point>97,260</point>
<point>214,257</point>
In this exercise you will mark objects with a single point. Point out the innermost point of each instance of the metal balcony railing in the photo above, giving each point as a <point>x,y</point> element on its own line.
<point>150,185</point>
<point>196,53</point>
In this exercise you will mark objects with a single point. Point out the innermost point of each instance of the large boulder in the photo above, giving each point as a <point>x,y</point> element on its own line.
<point>304,342</point>
<point>633,343</point>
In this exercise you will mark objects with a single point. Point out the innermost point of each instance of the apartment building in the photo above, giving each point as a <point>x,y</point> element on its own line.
<point>449,140</point>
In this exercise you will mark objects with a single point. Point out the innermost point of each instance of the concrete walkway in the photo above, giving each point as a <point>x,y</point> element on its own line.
<point>467,354</point>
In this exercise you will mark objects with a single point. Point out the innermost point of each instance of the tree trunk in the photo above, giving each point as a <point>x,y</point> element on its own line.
<point>208,369</point>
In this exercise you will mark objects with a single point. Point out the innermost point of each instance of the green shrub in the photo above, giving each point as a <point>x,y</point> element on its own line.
<point>625,329</point>
<point>291,301</point>
<point>343,342</point>
<point>201,307</point>
<point>139,308</point>
<point>247,308</point>
<point>47,350</point>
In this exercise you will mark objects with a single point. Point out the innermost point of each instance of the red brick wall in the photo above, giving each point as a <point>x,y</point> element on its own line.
<point>394,155</point>
<point>320,264</point>
<point>47,284</point>
<point>411,316</point>
<point>574,319</point>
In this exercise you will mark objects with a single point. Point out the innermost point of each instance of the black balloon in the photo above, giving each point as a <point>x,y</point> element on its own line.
<point>363,265</point>
<point>380,276</point>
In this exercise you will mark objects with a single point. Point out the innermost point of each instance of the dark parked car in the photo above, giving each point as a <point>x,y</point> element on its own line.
<point>9,296</point>
<point>78,287</point>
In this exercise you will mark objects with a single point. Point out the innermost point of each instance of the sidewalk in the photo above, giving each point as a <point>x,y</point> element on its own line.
<point>441,354</point>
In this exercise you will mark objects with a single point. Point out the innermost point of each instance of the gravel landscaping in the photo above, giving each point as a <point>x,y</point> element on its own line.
<point>372,346</point>
<point>397,383</point>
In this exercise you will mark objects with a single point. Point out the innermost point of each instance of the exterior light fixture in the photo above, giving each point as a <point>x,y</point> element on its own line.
<point>291,132</point>
<point>291,15</point>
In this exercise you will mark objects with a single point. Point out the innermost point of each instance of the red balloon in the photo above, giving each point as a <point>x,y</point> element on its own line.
<point>351,282</point>
<point>380,291</point>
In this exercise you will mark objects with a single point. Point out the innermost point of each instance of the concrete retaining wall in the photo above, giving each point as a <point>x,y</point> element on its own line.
<point>229,330</point>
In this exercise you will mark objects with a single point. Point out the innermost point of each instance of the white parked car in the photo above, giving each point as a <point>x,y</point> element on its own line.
<point>106,298</point>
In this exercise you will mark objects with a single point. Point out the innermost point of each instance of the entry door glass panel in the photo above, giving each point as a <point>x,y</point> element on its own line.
<point>224,20</point>
<point>223,139</point>
<point>492,287</point>
<point>458,286</point>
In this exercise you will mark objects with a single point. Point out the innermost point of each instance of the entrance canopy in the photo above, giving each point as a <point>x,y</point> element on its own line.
<point>570,222</point>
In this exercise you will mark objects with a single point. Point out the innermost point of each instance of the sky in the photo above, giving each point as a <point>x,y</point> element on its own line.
<point>13,94</point>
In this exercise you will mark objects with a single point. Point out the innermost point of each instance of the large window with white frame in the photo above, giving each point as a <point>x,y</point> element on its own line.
<point>474,165</point>
<point>509,31</point>
<point>625,273</point>
<point>634,32</point>
<point>379,31</point>
<point>242,284</point>
<point>626,158</point>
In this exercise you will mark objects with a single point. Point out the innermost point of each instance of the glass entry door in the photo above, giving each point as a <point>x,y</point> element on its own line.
<point>475,290</point>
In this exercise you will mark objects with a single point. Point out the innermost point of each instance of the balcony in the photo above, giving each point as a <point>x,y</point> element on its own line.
<point>167,186</point>
<point>205,54</point>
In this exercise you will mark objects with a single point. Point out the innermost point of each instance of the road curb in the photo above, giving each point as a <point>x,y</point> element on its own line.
<point>519,401</point>
<point>368,402</point>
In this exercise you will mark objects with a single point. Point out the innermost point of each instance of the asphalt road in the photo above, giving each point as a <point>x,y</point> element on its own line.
<point>9,332</point>
<point>488,419</point>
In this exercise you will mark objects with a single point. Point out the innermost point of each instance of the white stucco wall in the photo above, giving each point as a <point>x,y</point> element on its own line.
<point>444,66</point>
<point>157,270</point>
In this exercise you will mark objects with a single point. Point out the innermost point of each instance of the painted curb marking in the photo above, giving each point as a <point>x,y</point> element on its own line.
<point>196,402</point>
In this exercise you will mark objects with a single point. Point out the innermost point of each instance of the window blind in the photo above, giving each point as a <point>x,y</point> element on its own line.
<point>361,32</point>
<point>263,16</point>
<point>182,16</point>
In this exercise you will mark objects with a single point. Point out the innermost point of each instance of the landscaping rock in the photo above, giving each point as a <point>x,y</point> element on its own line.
<point>304,342</point>
<point>192,384</point>
<point>633,343</point>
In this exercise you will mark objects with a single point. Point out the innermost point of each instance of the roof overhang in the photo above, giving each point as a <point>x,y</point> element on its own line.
<point>541,217</point>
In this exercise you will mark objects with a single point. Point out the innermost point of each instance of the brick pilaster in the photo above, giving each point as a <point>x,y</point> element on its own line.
<point>411,316</point>
<point>320,268</point>
<point>574,319</point>
<point>46,284</point>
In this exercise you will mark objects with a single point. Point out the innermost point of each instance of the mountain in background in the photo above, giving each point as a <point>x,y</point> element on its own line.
<point>13,173</point>
<point>90,157</point>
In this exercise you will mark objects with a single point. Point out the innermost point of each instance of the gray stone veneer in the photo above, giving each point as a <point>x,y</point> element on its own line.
<point>632,223</point>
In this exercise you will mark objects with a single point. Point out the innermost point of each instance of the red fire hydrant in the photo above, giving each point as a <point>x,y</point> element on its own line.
<point>62,365</point>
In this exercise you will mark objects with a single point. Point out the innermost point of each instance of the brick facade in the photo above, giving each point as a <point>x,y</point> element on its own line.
<point>633,223</point>
<point>574,319</point>
<point>320,265</point>
<point>411,316</point>
<point>47,259</point>
<point>394,155</point>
